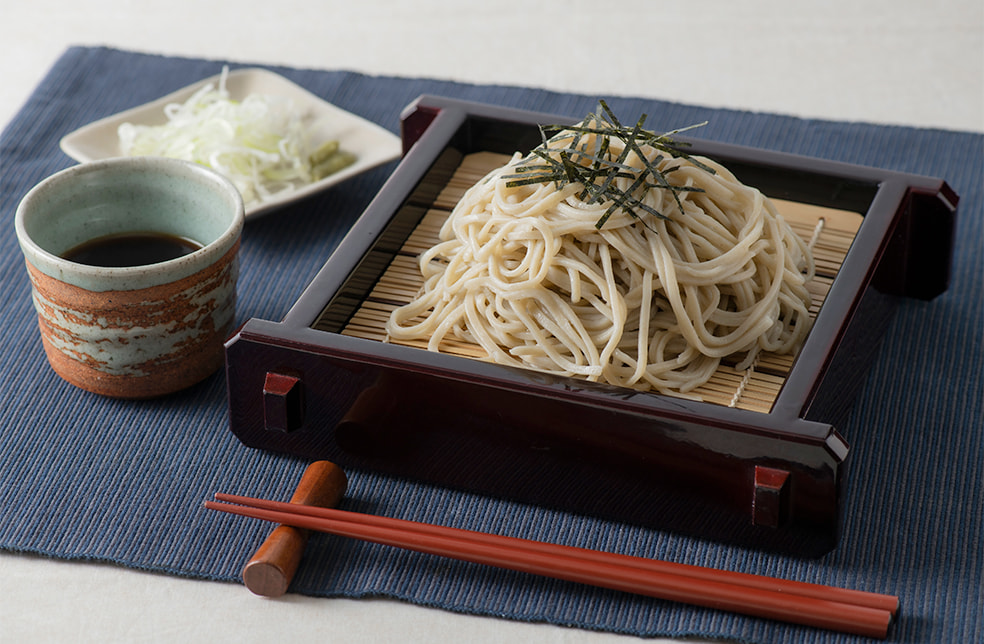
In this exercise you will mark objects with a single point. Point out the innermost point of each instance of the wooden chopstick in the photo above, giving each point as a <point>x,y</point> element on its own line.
<point>796,602</point>
<point>889,603</point>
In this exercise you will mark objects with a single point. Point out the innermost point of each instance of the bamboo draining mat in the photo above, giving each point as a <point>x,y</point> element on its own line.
<point>830,232</point>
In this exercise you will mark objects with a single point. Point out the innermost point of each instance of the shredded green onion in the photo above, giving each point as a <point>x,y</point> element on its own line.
<point>259,143</point>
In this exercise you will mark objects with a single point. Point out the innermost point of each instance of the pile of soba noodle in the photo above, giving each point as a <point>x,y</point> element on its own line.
<point>529,272</point>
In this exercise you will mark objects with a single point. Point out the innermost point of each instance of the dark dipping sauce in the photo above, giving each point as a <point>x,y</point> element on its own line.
<point>131,249</point>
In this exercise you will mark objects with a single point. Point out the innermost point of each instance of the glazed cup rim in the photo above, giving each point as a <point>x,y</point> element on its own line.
<point>58,267</point>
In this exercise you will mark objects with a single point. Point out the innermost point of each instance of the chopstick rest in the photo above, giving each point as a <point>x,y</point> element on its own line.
<point>271,568</point>
<point>840,609</point>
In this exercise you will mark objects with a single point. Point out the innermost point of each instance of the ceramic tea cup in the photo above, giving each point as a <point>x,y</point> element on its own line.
<point>157,323</point>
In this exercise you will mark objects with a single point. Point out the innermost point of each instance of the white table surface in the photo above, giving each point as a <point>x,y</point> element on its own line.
<point>906,62</point>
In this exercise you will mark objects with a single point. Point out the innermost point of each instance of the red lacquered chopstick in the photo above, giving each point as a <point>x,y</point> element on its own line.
<point>618,572</point>
<point>880,601</point>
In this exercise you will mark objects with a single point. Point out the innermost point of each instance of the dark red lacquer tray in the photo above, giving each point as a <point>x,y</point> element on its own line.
<point>771,477</point>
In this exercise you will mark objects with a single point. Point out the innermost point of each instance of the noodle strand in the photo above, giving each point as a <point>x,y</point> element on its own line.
<point>650,304</point>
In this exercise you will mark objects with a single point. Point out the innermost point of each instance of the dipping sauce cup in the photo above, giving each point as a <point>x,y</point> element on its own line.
<point>155,325</point>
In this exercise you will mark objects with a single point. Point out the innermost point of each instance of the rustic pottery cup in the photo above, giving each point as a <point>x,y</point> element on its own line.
<point>134,331</point>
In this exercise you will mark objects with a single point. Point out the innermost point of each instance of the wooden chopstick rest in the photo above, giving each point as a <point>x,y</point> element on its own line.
<point>272,567</point>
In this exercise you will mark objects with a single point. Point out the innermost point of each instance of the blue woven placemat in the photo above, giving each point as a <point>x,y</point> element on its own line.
<point>86,478</point>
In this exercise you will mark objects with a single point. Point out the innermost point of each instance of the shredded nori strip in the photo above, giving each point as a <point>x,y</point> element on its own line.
<point>595,169</point>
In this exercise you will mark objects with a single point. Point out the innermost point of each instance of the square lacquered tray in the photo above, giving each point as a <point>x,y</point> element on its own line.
<point>757,460</point>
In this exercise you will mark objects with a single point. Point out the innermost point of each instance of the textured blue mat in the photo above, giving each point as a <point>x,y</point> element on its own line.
<point>87,478</point>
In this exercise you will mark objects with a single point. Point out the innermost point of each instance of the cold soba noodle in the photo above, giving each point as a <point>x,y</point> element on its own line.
<point>607,256</point>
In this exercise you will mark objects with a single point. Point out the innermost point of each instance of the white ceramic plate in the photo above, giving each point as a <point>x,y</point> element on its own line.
<point>372,144</point>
